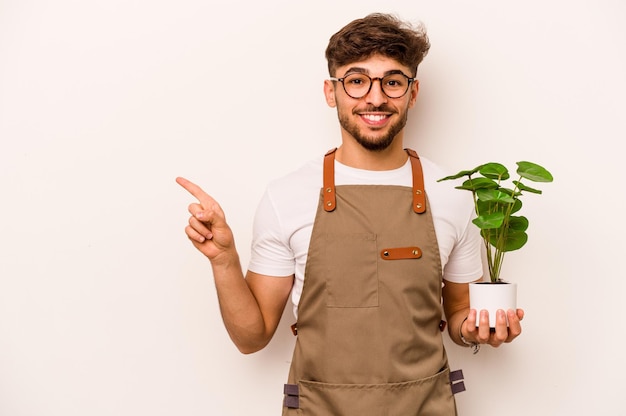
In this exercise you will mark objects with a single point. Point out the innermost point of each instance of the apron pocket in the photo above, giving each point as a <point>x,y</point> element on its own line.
<point>351,274</point>
<point>431,396</point>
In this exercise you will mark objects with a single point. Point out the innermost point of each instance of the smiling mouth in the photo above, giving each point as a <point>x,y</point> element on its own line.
<point>375,119</point>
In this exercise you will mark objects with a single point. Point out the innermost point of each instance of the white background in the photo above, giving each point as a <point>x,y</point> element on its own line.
<point>106,308</point>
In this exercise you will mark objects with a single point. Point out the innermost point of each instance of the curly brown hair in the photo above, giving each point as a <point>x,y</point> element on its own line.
<point>378,34</point>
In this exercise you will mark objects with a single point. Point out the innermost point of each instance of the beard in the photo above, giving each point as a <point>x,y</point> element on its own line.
<point>373,143</point>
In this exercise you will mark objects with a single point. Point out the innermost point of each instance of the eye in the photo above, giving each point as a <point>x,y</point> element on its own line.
<point>395,81</point>
<point>356,80</point>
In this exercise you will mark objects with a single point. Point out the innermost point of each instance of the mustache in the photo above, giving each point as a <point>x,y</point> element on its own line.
<point>371,109</point>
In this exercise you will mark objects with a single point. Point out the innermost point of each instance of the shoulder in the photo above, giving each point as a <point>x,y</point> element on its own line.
<point>449,205</point>
<point>305,179</point>
<point>294,197</point>
<point>442,190</point>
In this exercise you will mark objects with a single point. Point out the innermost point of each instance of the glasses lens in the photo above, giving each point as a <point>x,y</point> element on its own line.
<point>395,85</point>
<point>357,85</point>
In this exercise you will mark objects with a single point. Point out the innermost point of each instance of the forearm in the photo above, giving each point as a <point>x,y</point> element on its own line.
<point>240,311</point>
<point>456,307</point>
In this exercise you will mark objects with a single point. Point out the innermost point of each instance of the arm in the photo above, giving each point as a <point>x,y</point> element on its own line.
<point>251,307</point>
<point>462,319</point>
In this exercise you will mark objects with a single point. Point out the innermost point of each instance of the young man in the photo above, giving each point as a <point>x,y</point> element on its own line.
<point>366,242</point>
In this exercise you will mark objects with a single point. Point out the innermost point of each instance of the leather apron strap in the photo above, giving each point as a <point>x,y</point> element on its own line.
<point>419,195</point>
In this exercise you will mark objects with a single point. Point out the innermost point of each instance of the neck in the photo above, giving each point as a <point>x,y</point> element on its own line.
<point>354,155</point>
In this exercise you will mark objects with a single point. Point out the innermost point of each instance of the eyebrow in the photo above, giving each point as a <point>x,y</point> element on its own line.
<point>359,70</point>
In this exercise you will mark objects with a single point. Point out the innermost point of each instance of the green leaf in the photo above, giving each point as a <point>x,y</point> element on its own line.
<point>523,187</point>
<point>486,207</point>
<point>460,174</point>
<point>509,192</point>
<point>518,223</point>
<point>494,195</point>
<point>516,206</point>
<point>483,208</point>
<point>533,172</point>
<point>494,170</point>
<point>514,240</point>
<point>478,183</point>
<point>489,221</point>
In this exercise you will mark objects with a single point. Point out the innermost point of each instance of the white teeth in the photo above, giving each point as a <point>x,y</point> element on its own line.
<point>374,117</point>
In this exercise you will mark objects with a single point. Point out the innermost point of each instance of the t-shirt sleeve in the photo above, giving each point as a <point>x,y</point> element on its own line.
<point>271,254</point>
<point>465,262</point>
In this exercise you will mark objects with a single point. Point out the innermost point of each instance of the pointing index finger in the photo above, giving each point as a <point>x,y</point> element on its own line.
<point>204,199</point>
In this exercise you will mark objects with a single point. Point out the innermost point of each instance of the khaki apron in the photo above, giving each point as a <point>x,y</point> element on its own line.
<point>369,318</point>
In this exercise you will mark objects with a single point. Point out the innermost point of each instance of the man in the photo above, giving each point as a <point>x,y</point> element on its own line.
<point>367,243</point>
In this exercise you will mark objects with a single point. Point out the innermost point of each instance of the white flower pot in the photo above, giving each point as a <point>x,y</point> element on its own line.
<point>492,296</point>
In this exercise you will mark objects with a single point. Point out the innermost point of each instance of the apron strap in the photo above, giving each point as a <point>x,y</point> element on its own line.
<point>330,201</point>
<point>419,196</point>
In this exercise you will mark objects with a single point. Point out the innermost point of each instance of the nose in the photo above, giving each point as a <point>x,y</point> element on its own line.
<point>376,96</point>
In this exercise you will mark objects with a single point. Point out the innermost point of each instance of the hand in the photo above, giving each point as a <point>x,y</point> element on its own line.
<point>502,334</point>
<point>207,229</point>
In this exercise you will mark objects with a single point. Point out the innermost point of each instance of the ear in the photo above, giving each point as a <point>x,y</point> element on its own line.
<point>329,93</point>
<point>414,90</point>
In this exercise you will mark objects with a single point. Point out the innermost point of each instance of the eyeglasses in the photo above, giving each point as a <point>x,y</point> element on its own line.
<point>358,85</point>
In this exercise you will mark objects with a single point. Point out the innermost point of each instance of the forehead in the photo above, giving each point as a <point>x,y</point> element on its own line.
<point>376,65</point>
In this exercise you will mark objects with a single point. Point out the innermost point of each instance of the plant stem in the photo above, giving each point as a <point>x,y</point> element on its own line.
<point>501,239</point>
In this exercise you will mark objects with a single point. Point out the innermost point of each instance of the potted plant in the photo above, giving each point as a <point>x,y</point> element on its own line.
<point>495,203</point>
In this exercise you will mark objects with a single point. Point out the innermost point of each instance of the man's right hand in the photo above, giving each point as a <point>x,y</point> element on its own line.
<point>207,229</point>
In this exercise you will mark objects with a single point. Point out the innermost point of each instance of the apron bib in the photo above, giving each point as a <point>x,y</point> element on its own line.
<point>369,318</point>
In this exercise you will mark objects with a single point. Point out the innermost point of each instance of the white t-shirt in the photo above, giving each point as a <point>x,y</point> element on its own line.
<point>284,220</point>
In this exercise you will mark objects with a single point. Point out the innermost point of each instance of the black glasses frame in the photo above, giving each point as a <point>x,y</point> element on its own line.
<point>380,79</point>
